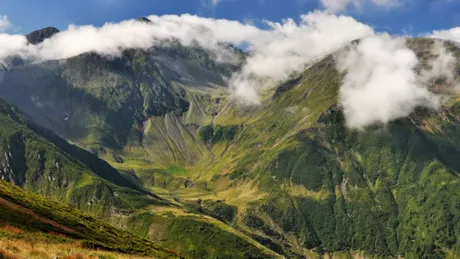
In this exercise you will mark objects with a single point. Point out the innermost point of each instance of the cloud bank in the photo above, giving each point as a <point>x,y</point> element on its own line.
<point>442,66</point>
<point>275,53</point>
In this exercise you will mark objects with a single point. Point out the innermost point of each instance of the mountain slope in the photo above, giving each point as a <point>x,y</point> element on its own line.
<point>26,216</point>
<point>42,162</point>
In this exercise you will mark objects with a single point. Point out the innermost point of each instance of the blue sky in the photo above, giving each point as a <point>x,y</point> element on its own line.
<point>411,16</point>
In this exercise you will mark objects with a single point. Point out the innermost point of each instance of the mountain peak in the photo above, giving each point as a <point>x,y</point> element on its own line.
<point>39,36</point>
<point>144,19</point>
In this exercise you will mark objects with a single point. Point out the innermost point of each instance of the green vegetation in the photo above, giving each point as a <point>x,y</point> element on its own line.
<point>211,134</point>
<point>44,163</point>
<point>196,235</point>
<point>32,215</point>
<point>212,242</point>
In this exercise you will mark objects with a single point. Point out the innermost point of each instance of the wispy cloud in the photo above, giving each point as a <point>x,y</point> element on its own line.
<point>215,2</point>
<point>209,5</point>
<point>4,23</point>
<point>335,6</point>
<point>381,84</point>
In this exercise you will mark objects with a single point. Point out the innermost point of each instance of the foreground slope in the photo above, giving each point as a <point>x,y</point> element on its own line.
<point>30,226</point>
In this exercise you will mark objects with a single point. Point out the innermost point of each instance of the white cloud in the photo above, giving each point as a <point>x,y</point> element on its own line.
<point>4,23</point>
<point>442,66</point>
<point>288,47</point>
<point>342,5</point>
<point>12,45</point>
<point>451,34</point>
<point>381,83</point>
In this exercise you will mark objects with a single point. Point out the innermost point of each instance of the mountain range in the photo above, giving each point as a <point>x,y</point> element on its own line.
<point>151,143</point>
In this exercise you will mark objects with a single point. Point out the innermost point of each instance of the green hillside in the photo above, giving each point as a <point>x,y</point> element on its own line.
<point>42,162</point>
<point>27,218</point>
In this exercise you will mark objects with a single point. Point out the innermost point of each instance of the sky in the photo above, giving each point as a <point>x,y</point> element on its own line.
<point>393,16</point>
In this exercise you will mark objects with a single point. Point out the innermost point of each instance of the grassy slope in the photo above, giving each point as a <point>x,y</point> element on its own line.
<point>27,219</point>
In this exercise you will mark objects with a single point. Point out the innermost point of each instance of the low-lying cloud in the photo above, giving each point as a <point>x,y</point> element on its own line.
<point>442,66</point>
<point>381,83</point>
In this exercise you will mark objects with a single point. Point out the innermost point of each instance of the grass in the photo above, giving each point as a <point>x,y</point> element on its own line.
<point>26,216</point>
<point>44,249</point>
<point>176,171</point>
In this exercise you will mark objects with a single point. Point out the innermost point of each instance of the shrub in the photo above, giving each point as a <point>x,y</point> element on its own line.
<point>13,230</point>
<point>6,255</point>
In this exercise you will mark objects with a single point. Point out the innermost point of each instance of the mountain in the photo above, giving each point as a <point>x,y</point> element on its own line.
<point>38,228</point>
<point>218,179</point>
<point>39,36</point>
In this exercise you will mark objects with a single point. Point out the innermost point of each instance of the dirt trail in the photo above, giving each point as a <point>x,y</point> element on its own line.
<point>10,205</point>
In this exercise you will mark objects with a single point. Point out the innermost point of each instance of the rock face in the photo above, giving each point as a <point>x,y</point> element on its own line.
<point>39,36</point>
<point>13,165</point>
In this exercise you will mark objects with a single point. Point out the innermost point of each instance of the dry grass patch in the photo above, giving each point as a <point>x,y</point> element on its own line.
<point>7,255</point>
<point>12,230</point>
<point>42,249</point>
